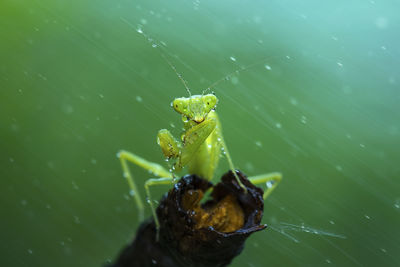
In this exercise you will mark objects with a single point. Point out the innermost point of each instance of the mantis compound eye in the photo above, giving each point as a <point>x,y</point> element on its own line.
<point>210,101</point>
<point>180,105</point>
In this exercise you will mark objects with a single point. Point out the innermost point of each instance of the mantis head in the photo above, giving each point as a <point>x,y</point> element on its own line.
<point>196,107</point>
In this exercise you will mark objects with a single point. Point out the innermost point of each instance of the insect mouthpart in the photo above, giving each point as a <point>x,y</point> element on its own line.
<point>198,119</point>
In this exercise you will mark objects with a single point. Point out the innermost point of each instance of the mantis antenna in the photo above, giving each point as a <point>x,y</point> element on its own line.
<point>177,73</point>
<point>224,78</point>
<point>180,76</point>
<point>155,44</point>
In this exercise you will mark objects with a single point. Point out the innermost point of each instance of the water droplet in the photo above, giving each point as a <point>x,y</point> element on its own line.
<point>258,143</point>
<point>267,67</point>
<point>328,261</point>
<point>381,22</point>
<point>139,30</point>
<point>278,125</point>
<point>270,184</point>
<point>24,202</point>
<point>154,45</point>
<point>101,96</point>
<point>303,119</point>
<point>139,98</point>
<point>339,168</point>
<point>11,160</point>
<point>51,165</point>
<point>76,220</point>
<point>154,261</point>
<point>234,80</point>
<point>74,185</point>
<point>233,59</point>
<point>339,64</point>
<point>332,222</point>
<point>257,19</point>
<point>131,193</point>
<point>383,250</point>
<point>362,145</point>
<point>397,204</point>
<point>367,217</point>
<point>42,77</point>
<point>249,167</point>
<point>93,161</point>
<point>293,101</point>
<point>30,251</point>
<point>67,109</point>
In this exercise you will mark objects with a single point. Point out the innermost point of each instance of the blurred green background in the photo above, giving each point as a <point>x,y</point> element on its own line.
<point>80,80</point>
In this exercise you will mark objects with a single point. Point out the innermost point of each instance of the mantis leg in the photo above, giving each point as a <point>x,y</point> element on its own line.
<point>220,138</point>
<point>270,179</point>
<point>155,168</point>
<point>155,181</point>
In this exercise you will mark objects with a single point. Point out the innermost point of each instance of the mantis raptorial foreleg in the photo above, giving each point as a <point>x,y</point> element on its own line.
<point>271,181</point>
<point>207,151</point>
<point>193,138</point>
<point>154,168</point>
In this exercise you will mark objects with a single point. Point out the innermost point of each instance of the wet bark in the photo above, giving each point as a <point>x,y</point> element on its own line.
<point>194,232</point>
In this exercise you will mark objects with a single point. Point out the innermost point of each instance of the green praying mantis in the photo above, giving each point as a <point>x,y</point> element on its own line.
<point>199,150</point>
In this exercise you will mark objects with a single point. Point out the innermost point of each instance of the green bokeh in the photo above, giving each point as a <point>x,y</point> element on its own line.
<point>320,103</point>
